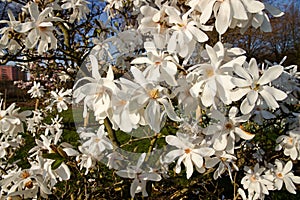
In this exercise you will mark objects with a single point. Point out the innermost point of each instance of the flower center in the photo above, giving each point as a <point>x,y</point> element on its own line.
<point>209,72</point>
<point>279,175</point>
<point>187,151</point>
<point>228,126</point>
<point>60,98</point>
<point>25,175</point>
<point>43,28</point>
<point>97,140</point>
<point>154,93</point>
<point>253,178</point>
<point>290,140</point>
<point>157,63</point>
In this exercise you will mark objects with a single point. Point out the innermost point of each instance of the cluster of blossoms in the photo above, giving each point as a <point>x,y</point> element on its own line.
<point>177,79</point>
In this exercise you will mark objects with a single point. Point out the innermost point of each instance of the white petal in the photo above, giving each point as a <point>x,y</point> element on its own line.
<point>189,166</point>
<point>239,11</point>
<point>271,74</point>
<point>172,155</point>
<point>223,18</point>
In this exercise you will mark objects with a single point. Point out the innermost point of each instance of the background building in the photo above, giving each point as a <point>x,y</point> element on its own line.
<point>11,73</point>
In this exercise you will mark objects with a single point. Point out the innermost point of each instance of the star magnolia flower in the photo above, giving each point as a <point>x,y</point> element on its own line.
<point>188,103</point>
<point>187,152</point>
<point>290,144</point>
<point>214,77</point>
<point>224,159</point>
<point>11,120</point>
<point>122,117</point>
<point>36,90</point>
<point>155,21</point>
<point>95,144</point>
<point>40,27</point>
<point>79,8</point>
<point>151,97</point>
<point>61,99</point>
<point>255,182</point>
<point>6,32</point>
<point>224,132</point>
<point>252,85</point>
<point>161,67</point>
<point>140,177</point>
<point>226,10</point>
<point>185,34</point>
<point>97,93</point>
<point>25,183</point>
<point>283,174</point>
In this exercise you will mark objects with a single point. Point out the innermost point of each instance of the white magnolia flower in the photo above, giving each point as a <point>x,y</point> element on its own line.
<point>79,7</point>
<point>155,21</point>
<point>283,174</point>
<point>290,144</point>
<point>61,99</point>
<point>36,90</point>
<point>188,152</point>
<point>185,33</point>
<point>224,159</point>
<point>6,32</point>
<point>122,117</point>
<point>224,133</point>
<point>255,182</point>
<point>258,20</point>
<point>152,98</point>
<point>225,11</point>
<point>214,77</point>
<point>96,144</point>
<point>97,92</point>
<point>160,66</point>
<point>252,84</point>
<point>139,175</point>
<point>40,28</point>
<point>11,120</point>
<point>26,183</point>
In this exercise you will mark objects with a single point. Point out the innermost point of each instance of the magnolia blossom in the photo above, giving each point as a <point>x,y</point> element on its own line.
<point>6,32</point>
<point>225,131</point>
<point>96,144</point>
<point>155,21</point>
<point>79,7</point>
<point>188,102</point>
<point>252,85</point>
<point>11,120</point>
<point>185,33</point>
<point>225,11</point>
<point>214,77</point>
<point>255,183</point>
<point>258,20</point>
<point>140,177</point>
<point>188,152</point>
<point>283,174</point>
<point>97,93</point>
<point>290,144</point>
<point>152,97</point>
<point>36,90</point>
<point>224,160</point>
<point>122,116</point>
<point>26,183</point>
<point>61,99</point>
<point>40,28</point>
<point>160,66</point>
